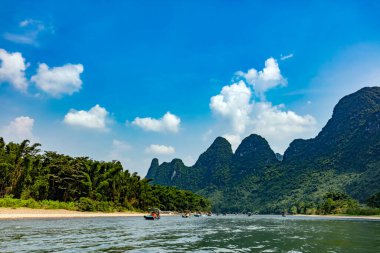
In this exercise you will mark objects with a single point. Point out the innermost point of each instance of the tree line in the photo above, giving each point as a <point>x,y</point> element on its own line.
<point>28,173</point>
<point>338,203</point>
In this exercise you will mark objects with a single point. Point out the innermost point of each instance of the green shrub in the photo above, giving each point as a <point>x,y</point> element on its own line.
<point>87,204</point>
<point>128,206</point>
<point>31,203</point>
<point>9,201</point>
<point>363,211</point>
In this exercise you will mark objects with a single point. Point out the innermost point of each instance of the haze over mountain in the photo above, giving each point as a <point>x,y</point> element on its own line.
<point>343,157</point>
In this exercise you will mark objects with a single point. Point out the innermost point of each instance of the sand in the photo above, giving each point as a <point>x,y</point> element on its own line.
<point>28,213</point>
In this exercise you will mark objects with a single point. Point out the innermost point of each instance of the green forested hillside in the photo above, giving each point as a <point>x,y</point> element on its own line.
<point>343,159</point>
<point>27,173</point>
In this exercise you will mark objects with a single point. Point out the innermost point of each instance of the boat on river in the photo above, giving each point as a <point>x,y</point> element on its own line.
<point>154,214</point>
<point>151,217</point>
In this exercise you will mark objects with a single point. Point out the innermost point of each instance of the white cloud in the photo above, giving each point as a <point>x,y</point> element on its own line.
<point>236,105</point>
<point>28,22</point>
<point>285,57</point>
<point>12,69</point>
<point>280,126</point>
<point>233,139</point>
<point>57,81</point>
<point>168,123</point>
<point>20,38</point>
<point>28,32</point>
<point>95,118</point>
<point>265,79</point>
<point>19,129</point>
<point>160,149</point>
<point>233,103</point>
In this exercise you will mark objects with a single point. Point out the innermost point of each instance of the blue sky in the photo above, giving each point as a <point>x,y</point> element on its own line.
<point>214,68</point>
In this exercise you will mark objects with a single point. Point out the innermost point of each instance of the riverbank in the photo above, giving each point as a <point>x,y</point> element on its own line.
<point>374,217</point>
<point>29,213</point>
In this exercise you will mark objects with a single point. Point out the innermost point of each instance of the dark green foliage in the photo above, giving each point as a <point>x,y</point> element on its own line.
<point>252,157</point>
<point>213,165</point>
<point>338,202</point>
<point>374,200</point>
<point>211,169</point>
<point>343,158</point>
<point>350,138</point>
<point>90,205</point>
<point>91,185</point>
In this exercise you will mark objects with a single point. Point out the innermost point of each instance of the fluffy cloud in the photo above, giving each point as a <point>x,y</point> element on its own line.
<point>265,79</point>
<point>277,125</point>
<point>233,103</point>
<point>160,149</point>
<point>12,69</point>
<point>19,129</point>
<point>236,105</point>
<point>280,126</point>
<point>168,123</point>
<point>234,139</point>
<point>95,118</point>
<point>54,81</point>
<point>57,81</point>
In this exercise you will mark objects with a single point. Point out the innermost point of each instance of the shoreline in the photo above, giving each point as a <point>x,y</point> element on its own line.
<point>29,213</point>
<point>356,217</point>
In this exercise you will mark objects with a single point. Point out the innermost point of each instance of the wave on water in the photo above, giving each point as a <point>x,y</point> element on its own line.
<point>174,234</point>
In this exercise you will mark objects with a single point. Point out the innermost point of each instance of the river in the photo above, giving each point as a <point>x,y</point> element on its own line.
<point>231,233</point>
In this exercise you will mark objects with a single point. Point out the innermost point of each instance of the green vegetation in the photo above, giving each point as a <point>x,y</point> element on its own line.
<point>334,203</point>
<point>374,200</point>
<point>342,159</point>
<point>29,178</point>
<point>9,201</point>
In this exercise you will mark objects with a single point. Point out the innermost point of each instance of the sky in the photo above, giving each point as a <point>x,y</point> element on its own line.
<point>134,80</point>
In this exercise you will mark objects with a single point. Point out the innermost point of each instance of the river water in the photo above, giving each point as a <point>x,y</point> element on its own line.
<point>232,233</point>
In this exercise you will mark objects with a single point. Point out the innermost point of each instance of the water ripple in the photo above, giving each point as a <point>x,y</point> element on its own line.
<point>205,234</point>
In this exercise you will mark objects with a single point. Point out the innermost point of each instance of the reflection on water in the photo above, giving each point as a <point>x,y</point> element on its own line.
<point>204,234</point>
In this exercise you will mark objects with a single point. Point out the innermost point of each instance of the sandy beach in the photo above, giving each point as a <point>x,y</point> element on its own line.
<point>28,213</point>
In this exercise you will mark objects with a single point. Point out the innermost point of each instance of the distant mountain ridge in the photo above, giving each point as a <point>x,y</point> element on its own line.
<point>344,156</point>
<point>355,123</point>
